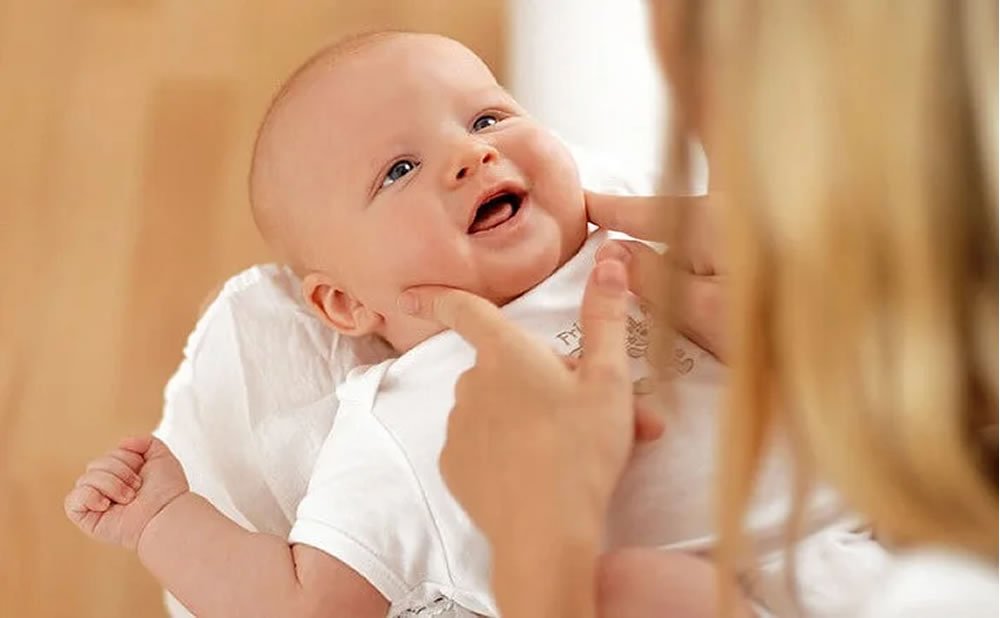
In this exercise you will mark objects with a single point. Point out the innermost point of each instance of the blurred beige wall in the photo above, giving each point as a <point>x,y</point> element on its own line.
<point>126,127</point>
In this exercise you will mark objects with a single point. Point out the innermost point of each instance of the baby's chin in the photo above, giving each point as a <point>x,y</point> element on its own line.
<point>504,283</point>
<point>513,289</point>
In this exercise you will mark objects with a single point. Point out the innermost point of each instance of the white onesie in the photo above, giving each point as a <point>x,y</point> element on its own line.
<point>377,502</point>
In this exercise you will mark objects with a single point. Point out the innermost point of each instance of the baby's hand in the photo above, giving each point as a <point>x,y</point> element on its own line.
<point>122,491</point>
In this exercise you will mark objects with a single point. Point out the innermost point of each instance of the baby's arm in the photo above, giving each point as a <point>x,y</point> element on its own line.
<point>137,496</point>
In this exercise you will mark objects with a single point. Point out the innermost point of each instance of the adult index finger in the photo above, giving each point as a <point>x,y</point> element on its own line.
<point>476,319</point>
<point>644,217</point>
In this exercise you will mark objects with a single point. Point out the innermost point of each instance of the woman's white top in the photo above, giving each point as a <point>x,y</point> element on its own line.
<point>936,583</point>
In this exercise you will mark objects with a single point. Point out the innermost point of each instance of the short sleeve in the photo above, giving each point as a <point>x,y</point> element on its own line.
<point>365,507</point>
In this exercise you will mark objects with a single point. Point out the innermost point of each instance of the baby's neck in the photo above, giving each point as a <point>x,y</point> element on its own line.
<point>408,333</point>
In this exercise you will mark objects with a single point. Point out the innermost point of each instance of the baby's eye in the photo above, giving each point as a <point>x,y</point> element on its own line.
<point>484,121</point>
<point>397,171</point>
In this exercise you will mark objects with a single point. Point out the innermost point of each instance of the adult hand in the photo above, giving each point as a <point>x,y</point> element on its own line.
<point>536,445</point>
<point>695,258</point>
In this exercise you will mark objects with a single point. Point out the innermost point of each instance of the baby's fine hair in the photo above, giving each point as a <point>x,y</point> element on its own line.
<point>264,212</point>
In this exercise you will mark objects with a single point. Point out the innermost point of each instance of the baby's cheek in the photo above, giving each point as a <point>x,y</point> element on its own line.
<point>425,256</point>
<point>555,179</point>
<point>546,153</point>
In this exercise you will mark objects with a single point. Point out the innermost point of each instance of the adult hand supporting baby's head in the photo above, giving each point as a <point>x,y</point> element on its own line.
<point>529,432</point>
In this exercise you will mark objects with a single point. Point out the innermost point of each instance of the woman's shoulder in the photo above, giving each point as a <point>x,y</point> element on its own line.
<point>935,582</point>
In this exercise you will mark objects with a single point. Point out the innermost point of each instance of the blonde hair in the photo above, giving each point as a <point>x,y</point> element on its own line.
<point>857,143</point>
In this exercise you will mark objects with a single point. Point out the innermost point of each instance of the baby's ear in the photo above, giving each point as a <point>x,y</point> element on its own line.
<point>337,307</point>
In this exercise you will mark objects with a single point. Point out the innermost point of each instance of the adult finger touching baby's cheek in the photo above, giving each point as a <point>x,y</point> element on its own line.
<point>637,216</point>
<point>476,319</point>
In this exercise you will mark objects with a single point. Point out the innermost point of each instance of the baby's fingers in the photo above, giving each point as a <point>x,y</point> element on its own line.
<point>108,484</point>
<point>114,464</point>
<point>84,499</point>
<point>133,460</point>
<point>137,444</point>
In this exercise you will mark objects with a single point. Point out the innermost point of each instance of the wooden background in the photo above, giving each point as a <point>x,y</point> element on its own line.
<point>125,128</point>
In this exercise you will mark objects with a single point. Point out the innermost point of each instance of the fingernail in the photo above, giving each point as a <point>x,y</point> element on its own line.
<point>613,251</point>
<point>642,386</point>
<point>105,503</point>
<point>408,303</point>
<point>129,493</point>
<point>610,275</point>
<point>136,482</point>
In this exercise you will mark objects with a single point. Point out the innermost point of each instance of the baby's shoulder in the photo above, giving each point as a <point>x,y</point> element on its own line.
<point>406,395</point>
<point>362,382</point>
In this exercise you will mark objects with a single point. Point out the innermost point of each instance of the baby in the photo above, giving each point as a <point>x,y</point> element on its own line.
<point>387,161</point>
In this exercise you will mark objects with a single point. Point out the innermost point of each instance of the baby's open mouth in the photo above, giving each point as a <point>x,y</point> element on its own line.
<point>496,211</point>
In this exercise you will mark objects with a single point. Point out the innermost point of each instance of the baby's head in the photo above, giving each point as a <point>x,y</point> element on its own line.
<point>395,159</point>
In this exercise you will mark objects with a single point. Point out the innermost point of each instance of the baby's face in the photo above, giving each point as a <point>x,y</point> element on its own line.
<point>427,172</point>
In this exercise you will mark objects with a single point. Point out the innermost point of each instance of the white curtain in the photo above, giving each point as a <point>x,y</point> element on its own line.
<point>587,69</point>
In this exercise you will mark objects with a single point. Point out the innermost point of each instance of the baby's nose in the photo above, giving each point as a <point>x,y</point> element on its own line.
<point>471,156</point>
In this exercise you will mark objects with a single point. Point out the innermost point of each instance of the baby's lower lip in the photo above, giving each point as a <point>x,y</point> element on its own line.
<point>499,233</point>
<point>514,211</point>
<point>495,219</point>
